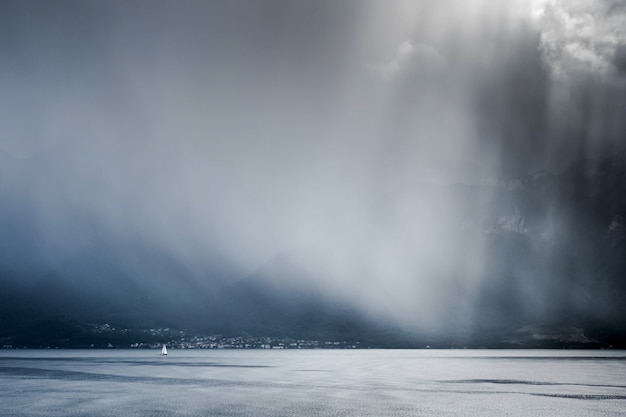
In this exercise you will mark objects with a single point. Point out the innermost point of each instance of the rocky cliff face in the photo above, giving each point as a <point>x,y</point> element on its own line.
<point>557,248</point>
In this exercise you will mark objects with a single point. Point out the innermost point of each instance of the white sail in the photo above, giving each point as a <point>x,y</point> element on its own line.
<point>164,350</point>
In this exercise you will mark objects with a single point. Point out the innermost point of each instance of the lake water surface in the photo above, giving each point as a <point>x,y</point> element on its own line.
<point>312,383</point>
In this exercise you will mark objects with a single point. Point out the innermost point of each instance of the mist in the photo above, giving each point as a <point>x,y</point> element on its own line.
<point>229,134</point>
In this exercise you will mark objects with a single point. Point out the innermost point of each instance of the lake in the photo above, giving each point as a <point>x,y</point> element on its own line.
<point>312,383</point>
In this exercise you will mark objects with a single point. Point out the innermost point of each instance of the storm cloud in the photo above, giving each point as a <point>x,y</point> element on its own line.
<point>231,132</point>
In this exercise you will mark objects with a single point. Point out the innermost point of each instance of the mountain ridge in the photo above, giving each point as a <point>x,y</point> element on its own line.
<point>555,275</point>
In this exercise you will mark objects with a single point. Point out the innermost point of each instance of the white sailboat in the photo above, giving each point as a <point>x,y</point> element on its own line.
<point>164,351</point>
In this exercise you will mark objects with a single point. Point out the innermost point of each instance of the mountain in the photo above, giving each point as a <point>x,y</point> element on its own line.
<point>553,274</point>
<point>563,241</point>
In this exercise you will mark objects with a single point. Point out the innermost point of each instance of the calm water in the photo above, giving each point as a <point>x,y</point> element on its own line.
<point>312,383</point>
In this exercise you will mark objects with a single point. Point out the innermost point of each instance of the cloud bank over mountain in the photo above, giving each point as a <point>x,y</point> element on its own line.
<point>222,135</point>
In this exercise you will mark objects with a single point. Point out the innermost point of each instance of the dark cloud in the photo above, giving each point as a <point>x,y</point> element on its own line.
<point>619,60</point>
<point>227,132</point>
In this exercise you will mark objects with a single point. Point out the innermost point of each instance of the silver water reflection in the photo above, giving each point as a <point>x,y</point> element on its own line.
<point>312,383</point>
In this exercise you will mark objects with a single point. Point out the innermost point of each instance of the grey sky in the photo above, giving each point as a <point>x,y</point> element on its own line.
<point>239,130</point>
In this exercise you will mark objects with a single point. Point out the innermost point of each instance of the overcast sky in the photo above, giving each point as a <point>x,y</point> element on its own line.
<point>240,130</point>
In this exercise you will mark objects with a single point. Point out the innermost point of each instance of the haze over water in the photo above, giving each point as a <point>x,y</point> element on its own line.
<point>312,383</point>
